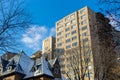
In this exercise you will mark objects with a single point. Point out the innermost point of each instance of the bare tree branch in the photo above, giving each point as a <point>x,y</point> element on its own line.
<point>112,9</point>
<point>13,19</point>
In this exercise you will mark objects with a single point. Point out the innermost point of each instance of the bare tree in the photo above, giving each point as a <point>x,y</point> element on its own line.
<point>78,63</point>
<point>106,59</point>
<point>111,8</point>
<point>13,20</point>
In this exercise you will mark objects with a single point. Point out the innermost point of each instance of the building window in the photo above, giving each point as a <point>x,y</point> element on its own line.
<point>72,16</point>
<point>83,16</point>
<point>33,69</point>
<point>59,33</point>
<point>58,39</point>
<point>74,38</point>
<point>73,26</point>
<point>83,22</point>
<point>85,40</point>
<point>9,68</point>
<point>67,24</point>
<point>87,52</point>
<point>87,60</point>
<point>69,65</point>
<point>68,34</point>
<point>59,23</point>
<point>74,32</point>
<point>67,29</point>
<point>73,21</point>
<point>86,46</point>
<point>74,44</point>
<point>60,50</point>
<point>84,34</point>
<point>84,28</point>
<point>67,18</point>
<point>81,11</point>
<point>60,62</point>
<point>69,58</point>
<point>89,74</point>
<point>68,46</point>
<point>59,44</point>
<point>68,40</point>
<point>59,28</point>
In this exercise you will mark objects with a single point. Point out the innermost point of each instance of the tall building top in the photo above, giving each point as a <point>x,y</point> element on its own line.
<point>47,43</point>
<point>48,47</point>
<point>48,38</point>
<point>72,14</point>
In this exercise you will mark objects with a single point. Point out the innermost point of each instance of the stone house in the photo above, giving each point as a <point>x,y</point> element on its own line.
<point>22,67</point>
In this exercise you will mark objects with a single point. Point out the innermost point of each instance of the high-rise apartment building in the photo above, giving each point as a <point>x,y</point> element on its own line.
<point>82,40</point>
<point>75,31</point>
<point>48,47</point>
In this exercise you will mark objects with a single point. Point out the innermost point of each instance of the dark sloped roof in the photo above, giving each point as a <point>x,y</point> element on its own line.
<point>52,62</point>
<point>12,62</point>
<point>42,67</point>
<point>3,63</point>
<point>20,63</point>
<point>23,64</point>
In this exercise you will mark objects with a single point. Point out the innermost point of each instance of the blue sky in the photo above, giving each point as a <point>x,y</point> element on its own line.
<point>45,13</point>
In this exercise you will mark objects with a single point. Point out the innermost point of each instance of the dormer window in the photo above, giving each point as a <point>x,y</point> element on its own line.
<point>38,69</point>
<point>38,66</point>
<point>9,68</point>
<point>33,69</point>
<point>0,71</point>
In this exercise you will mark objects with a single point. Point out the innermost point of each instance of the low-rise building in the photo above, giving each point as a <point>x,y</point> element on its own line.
<point>22,67</point>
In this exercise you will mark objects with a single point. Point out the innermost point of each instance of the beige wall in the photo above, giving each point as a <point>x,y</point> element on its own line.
<point>49,46</point>
<point>9,78</point>
<point>40,78</point>
<point>83,20</point>
<point>13,77</point>
<point>19,77</point>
